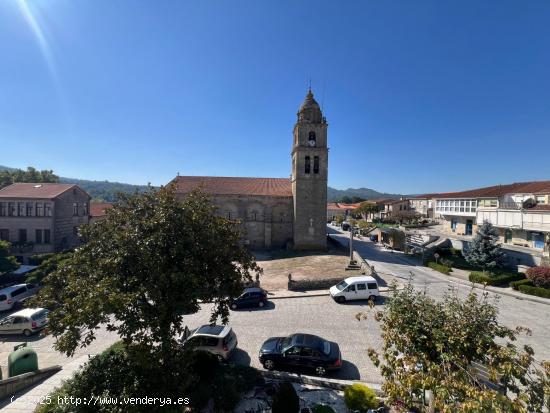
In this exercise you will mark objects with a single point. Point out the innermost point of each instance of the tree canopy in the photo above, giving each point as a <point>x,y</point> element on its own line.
<point>485,251</point>
<point>8,177</point>
<point>7,261</point>
<point>436,345</point>
<point>153,259</point>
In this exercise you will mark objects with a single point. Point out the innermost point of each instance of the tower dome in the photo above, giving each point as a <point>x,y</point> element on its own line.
<point>310,110</point>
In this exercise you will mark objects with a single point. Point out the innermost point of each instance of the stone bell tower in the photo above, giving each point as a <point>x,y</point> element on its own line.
<point>309,177</point>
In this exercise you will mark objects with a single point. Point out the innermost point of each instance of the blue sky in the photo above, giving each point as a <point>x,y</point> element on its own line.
<point>420,96</point>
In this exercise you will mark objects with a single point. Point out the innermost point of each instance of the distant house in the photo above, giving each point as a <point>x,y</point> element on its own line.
<point>335,209</point>
<point>98,211</point>
<point>42,218</point>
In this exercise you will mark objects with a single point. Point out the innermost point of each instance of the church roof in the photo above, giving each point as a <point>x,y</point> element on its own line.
<point>224,185</point>
<point>310,110</point>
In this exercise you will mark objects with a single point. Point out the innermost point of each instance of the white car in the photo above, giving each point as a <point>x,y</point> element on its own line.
<point>10,296</point>
<point>355,288</point>
<point>26,321</point>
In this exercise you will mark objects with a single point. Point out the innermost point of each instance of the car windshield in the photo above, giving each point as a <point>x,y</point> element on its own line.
<point>39,315</point>
<point>286,342</point>
<point>342,285</point>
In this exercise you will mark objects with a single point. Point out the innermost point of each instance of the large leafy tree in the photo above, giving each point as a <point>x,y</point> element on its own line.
<point>435,346</point>
<point>485,251</point>
<point>7,261</point>
<point>366,208</point>
<point>152,260</point>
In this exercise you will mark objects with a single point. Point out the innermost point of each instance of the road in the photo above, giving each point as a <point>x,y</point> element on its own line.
<point>512,311</point>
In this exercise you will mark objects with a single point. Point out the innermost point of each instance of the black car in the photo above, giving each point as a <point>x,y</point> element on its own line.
<point>251,297</point>
<point>301,350</point>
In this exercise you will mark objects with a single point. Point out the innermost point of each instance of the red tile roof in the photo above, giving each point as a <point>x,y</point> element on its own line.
<point>221,185</point>
<point>536,187</point>
<point>35,190</point>
<point>97,209</point>
<point>339,205</point>
<point>538,207</point>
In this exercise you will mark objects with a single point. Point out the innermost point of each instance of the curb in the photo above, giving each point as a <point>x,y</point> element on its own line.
<point>306,295</point>
<point>335,384</point>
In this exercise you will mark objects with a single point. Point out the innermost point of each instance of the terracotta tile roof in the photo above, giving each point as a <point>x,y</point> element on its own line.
<point>35,190</point>
<point>495,191</point>
<point>97,209</point>
<point>222,185</point>
<point>339,205</point>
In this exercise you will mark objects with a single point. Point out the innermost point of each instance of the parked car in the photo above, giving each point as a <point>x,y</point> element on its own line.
<point>218,340</point>
<point>11,296</point>
<point>251,297</point>
<point>345,226</point>
<point>355,288</point>
<point>301,350</point>
<point>27,321</point>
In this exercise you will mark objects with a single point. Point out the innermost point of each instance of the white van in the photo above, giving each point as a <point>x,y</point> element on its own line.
<point>11,296</point>
<point>355,288</point>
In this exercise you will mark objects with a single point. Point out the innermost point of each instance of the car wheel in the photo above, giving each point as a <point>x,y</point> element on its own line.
<point>341,300</point>
<point>27,332</point>
<point>320,371</point>
<point>234,306</point>
<point>261,304</point>
<point>269,364</point>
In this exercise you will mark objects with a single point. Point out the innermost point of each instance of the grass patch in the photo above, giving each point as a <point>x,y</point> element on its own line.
<point>498,280</point>
<point>538,291</point>
<point>439,267</point>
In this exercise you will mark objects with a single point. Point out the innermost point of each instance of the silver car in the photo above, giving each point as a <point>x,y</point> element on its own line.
<point>12,296</point>
<point>27,321</point>
<point>218,340</point>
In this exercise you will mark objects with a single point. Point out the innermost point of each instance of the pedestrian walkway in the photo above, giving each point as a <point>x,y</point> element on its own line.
<point>28,400</point>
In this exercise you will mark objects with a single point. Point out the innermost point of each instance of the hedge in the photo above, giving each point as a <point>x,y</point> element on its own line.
<point>360,397</point>
<point>538,291</point>
<point>494,280</point>
<point>540,276</point>
<point>516,284</point>
<point>439,267</point>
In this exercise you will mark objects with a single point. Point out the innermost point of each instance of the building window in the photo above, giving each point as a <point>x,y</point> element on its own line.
<point>47,236</point>
<point>21,209</point>
<point>47,210</point>
<point>453,225</point>
<point>228,215</point>
<point>4,234</point>
<point>38,236</point>
<point>75,208</point>
<point>85,208</point>
<point>307,169</point>
<point>315,164</point>
<point>3,209</point>
<point>29,209</point>
<point>39,209</point>
<point>11,209</point>
<point>22,235</point>
<point>75,230</point>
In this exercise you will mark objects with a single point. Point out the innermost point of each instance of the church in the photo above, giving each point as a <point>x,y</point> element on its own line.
<point>278,212</point>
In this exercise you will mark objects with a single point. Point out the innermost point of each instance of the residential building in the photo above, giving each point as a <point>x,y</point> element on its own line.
<point>335,209</point>
<point>521,212</point>
<point>98,211</point>
<point>42,218</point>
<point>279,212</point>
<point>423,205</point>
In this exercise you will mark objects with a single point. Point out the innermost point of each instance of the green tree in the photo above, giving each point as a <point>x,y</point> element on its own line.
<point>485,251</point>
<point>434,345</point>
<point>152,260</point>
<point>7,261</point>
<point>339,219</point>
<point>30,175</point>
<point>366,208</point>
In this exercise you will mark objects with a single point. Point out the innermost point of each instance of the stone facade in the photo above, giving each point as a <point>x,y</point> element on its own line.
<point>42,217</point>
<point>278,212</point>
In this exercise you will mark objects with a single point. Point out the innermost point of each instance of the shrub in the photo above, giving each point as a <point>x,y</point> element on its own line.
<point>321,408</point>
<point>540,276</point>
<point>494,279</point>
<point>516,284</point>
<point>285,400</point>
<point>538,291</point>
<point>446,262</point>
<point>360,397</point>
<point>439,267</point>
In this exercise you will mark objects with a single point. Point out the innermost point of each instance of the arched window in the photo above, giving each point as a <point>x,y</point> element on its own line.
<point>308,165</point>
<point>312,136</point>
<point>315,164</point>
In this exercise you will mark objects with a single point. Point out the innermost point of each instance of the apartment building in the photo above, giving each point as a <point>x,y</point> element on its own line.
<point>521,212</point>
<point>423,205</point>
<point>42,218</point>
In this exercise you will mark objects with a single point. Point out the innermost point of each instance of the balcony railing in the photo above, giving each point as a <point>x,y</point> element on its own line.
<point>510,205</point>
